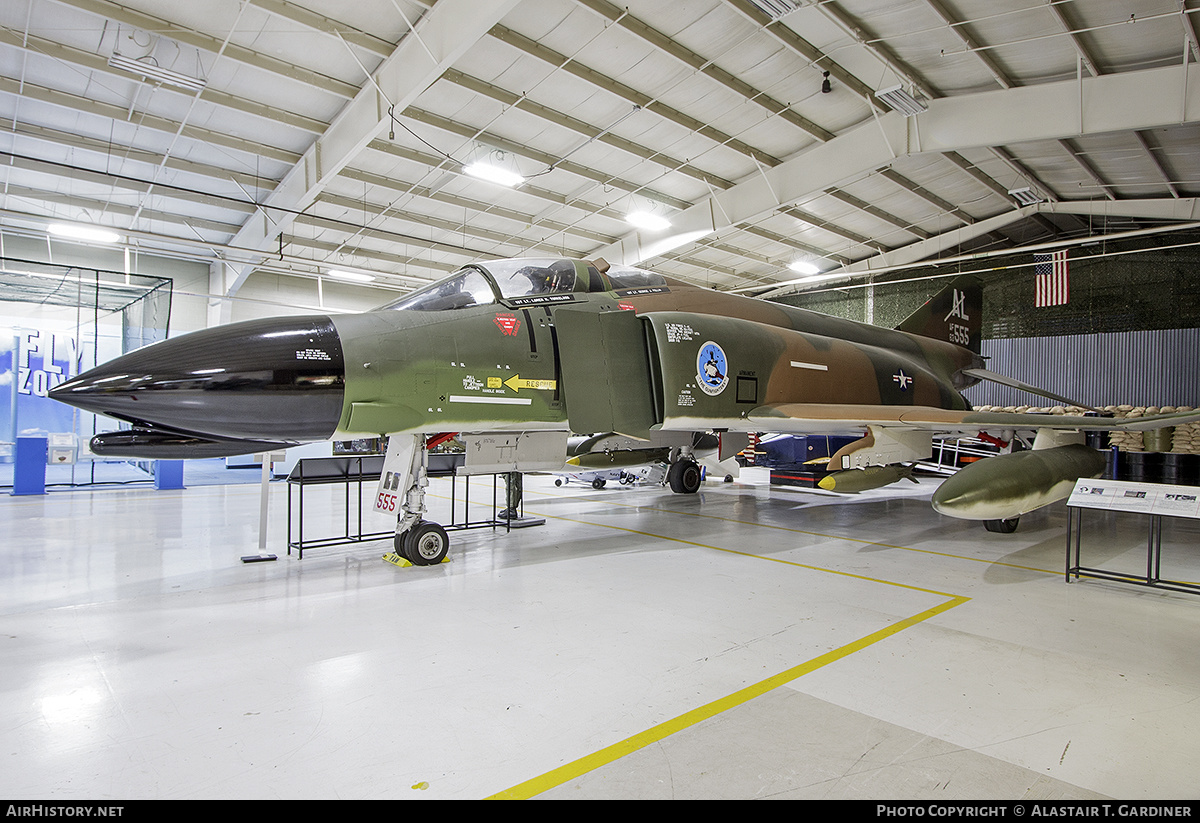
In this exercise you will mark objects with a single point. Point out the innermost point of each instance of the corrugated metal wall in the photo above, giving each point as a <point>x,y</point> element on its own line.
<point>1142,368</point>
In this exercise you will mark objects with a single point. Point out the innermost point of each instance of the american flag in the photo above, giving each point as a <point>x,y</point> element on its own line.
<point>1050,271</point>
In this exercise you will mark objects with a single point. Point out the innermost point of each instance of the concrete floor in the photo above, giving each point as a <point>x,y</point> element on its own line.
<point>745,642</point>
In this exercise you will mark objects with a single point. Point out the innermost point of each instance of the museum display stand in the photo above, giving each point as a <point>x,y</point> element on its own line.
<point>357,470</point>
<point>1151,500</point>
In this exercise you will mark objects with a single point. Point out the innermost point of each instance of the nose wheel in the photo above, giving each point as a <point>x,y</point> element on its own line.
<point>425,544</point>
<point>1002,526</point>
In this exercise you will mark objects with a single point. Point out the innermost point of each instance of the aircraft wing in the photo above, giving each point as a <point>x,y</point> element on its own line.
<point>808,418</point>
<point>1004,380</point>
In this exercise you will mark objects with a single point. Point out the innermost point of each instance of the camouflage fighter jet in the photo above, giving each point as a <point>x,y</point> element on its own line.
<point>516,354</point>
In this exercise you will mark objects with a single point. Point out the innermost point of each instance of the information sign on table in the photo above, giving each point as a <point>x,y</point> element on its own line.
<point>1141,498</point>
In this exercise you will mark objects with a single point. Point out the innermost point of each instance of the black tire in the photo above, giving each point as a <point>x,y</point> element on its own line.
<point>684,476</point>
<point>426,544</point>
<point>598,483</point>
<point>1002,526</point>
<point>558,481</point>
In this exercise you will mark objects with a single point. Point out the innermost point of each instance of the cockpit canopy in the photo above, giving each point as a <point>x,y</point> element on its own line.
<point>479,284</point>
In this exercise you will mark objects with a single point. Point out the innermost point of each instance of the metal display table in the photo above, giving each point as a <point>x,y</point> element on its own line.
<point>1155,501</point>
<point>357,470</point>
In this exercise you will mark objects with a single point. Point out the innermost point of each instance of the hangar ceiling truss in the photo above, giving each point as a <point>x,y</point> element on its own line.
<point>303,137</point>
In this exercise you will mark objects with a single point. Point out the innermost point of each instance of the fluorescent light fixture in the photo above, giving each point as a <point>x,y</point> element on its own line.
<point>816,278</point>
<point>75,231</point>
<point>776,9</point>
<point>647,220</point>
<point>151,72</point>
<point>1025,196</point>
<point>803,267</point>
<point>493,174</point>
<point>352,276</point>
<point>897,99</point>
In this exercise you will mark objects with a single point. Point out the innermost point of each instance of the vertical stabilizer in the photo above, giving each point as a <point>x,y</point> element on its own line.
<point>955,314</point>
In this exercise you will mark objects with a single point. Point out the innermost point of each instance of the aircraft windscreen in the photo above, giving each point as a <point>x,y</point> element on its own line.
<point>459,291</point>
<point>519,277</point>
<point>634,279</point>
<point>527,276</point>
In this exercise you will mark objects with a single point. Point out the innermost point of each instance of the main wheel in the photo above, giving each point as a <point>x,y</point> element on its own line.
<point>1002,526</point>
<point>598,483</point>
<point>684,477</point>
<point>426,544</point>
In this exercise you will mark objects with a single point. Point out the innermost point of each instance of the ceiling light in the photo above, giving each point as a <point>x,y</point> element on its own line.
<point>352,276</point>
<point>94,234</point>
<point>776,8</point>
<point>647,220</point>
<point>899,100</point>
<point>1025,196</point>
<point>156,74</point>
<point>803,267</point>
<point>493,174</point>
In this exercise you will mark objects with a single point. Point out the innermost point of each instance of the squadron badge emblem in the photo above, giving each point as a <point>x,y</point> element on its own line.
<point>712,369</point>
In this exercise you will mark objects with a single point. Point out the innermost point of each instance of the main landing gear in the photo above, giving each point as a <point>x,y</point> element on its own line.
<point>685,476</point>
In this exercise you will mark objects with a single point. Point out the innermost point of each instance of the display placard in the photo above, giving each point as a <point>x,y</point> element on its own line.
<point>1141,498</point>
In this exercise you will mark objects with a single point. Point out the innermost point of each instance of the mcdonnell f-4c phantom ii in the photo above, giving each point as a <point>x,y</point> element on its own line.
<point>529,350</point>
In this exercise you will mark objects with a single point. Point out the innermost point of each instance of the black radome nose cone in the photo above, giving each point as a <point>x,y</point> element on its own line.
<point>279,379</point>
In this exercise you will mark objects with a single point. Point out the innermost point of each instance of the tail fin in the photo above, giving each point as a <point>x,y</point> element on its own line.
<point>955,314</point>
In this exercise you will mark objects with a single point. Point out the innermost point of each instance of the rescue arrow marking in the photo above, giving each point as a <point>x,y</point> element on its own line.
<point>516,383</point>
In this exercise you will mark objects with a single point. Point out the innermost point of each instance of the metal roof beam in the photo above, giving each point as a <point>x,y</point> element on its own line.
<point>93,62</point>
<point>1088,62</point>
<point>72,140</point>
<point>861,34</point>
<point>430,160</point>
<point>596,78</point>
<point>580,127</point>
<point>958,29</point>
<point>108,10</point>
<point>792,243</point>
<point>119,114</point>
<point>458,227</point>
<point>448,30</point>
<point>1145,99</point>
<point>1158,166</point>
<point>702,65</point>
<point>1024,172</point>
<point>1189,29</point>
<point>1088,169</point>
<point>523,150</point>
<point>778,29</point>
<point>415,191</point>
<point>319,22</point>
<point>875,211</point>
<point>1182,210</point>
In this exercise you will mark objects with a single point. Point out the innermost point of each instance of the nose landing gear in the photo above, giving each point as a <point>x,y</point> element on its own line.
<point>424,544</point>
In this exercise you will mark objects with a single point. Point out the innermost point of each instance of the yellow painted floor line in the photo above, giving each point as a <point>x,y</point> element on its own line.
<point>769,559</point>
<point>609,754</point>
<point>662,510</point>
<point>569,771</point>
